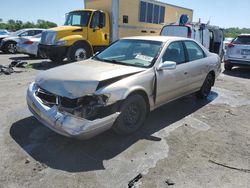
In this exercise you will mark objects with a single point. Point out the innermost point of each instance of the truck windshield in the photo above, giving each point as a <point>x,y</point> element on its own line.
<point>131,52</point>
<point>78,18</point>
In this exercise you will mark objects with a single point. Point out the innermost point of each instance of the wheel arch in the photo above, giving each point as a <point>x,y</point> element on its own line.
<point>141,92</point>
<point>9,41</point>
<point>85,42</point>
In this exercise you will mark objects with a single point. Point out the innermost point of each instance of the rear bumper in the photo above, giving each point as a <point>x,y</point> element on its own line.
<point>66,124</point>
<point>237,62</point>
<point>51,51</point>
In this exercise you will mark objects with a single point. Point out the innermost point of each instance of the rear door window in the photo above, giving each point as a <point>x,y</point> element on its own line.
<point>175,52</point>
<point>194,51</point>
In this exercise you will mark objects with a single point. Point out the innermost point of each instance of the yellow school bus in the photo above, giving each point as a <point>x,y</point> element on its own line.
<point>89,30</point>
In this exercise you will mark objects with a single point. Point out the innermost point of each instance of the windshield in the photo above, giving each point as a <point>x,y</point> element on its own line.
<point>78,18</point>
<point>139,53</point>
<point>242,40</point>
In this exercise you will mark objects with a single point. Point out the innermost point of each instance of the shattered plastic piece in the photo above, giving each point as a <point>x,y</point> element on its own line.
<point>21,64</point>
<point>7,70</point>
<point>27,161</point>
<point>169,182</point>
<point>136,179</point>
<point>14,63</point>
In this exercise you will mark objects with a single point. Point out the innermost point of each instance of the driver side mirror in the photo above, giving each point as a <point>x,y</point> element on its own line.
<point>167,65</point>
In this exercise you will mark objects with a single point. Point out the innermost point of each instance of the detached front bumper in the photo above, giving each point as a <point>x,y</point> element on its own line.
<point>66,124</point>
<point>51,51</point>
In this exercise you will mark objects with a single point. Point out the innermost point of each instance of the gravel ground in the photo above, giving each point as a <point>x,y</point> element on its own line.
<point>189,142</point>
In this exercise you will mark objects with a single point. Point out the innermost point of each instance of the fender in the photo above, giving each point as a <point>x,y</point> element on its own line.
<point>73,39</point>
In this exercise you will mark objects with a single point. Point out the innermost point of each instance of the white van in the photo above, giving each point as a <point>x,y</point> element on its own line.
<point>211,37</point>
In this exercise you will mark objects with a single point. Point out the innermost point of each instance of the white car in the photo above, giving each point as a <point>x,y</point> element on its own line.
<point>118,87</point>
<point>238,52</point>
<point>29,46</point>
<point>8,44</point>
<point>3,34</point>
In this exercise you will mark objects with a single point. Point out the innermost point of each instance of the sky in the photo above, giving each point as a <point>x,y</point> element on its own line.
<point>224,13</point>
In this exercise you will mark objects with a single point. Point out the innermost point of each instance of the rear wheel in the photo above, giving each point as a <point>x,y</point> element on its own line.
<point>133,113</point>
<point>40,55</point>
<point>10,47</point>
<point>206,87</point>
<point>79,52</point>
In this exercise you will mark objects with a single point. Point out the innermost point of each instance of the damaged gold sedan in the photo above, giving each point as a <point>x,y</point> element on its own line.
<point>119,86</point>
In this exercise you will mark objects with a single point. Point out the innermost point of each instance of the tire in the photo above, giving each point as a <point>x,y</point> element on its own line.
<point>228,67</point>
<point>206,87</point>
<point>79,52</point>
<point>10,47</point>
<point>133,113</point>
<point>57,59</point>
<point>40,55</point>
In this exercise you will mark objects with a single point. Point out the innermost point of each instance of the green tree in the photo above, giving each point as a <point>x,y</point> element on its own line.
<point>18,24</point>
<point>235,31</point>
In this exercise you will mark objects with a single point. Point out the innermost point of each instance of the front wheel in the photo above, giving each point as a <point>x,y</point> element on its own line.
<point>206,87</point>
<point>79,52</point>
<point>133,113</point>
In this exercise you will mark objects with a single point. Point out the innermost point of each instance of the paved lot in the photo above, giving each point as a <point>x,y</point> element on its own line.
<point>194,143</point>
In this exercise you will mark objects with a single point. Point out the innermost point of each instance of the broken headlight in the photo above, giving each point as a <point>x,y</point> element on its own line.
<point>85,107</point>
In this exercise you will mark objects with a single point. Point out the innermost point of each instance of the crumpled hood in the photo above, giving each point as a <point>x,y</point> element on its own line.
<point>81,78</point>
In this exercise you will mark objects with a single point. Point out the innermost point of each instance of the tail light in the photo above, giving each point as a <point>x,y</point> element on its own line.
<point>231,45</point>
<point>28,42</point>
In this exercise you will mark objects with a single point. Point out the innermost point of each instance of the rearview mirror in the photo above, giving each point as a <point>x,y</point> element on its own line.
<point>167,65</point>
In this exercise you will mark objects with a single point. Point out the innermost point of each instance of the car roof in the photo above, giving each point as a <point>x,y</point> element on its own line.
<point>158,38</point>
<point>26,29</point>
